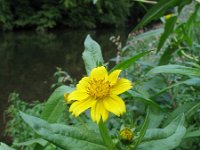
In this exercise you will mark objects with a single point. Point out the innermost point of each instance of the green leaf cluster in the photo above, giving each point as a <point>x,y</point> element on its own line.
<point>42,15</point>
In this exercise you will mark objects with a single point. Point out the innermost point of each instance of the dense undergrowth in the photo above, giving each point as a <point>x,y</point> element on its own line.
<point>163,107</point>
<point>44,14</point>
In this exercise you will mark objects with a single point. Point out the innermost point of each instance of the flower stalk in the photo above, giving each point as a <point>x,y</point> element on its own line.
<point>105,135</point>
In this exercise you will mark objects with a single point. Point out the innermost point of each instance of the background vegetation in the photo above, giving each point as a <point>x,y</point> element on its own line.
<point>163,108</point>
<point>47,14</point>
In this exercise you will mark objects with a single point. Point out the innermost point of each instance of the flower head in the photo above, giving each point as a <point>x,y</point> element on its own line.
<point>99,92</point>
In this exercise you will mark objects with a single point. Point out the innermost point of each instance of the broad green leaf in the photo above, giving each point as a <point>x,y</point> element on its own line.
<point>166,139</point>
<point>169,27</point>
<point>179,110</point>
<point>55,105</point>
<point>193,82</point>
<point>191,134</point>
<point>156,118</point>
<point>142,130</point>
<point>40,141</point>
<point>157,133</point>
<point>125,64</point>
<point>65,137</point>
<point>4,146</point>
<point>177,69</point>
<point>157,11</point>
<point>92,55</point>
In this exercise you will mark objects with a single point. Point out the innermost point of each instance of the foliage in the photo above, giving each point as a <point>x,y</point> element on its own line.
<point>58,134</point>
<point>163,106</point>
<point>16,126</point>
<point>55,104</point>
<point>62,78</point>
<point>72,13</point>
<point>92,55</point>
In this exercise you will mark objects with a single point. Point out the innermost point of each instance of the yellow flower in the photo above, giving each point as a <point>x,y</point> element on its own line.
<point>99,92</point>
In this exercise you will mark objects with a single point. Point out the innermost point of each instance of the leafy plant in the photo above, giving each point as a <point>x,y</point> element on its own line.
<point>43,15</point>
<point>16,126</point>
<point>147,133</point>
<point>162,107</point>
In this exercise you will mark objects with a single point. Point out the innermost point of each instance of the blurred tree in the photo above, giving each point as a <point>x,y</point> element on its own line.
<point>45,14</point>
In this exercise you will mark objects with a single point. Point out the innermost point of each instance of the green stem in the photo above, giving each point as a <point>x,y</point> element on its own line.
<point>105,135</point>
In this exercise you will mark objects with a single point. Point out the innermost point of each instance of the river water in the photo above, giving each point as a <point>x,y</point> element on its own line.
<point>29,59</point>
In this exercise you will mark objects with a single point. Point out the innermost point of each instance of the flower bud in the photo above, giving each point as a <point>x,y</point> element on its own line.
<point>126,135</point>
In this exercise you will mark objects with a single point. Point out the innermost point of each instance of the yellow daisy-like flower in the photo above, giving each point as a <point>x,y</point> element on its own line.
<point>99,92</point>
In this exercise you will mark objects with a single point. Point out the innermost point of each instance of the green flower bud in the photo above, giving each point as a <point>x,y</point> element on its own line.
<point>126,135</point>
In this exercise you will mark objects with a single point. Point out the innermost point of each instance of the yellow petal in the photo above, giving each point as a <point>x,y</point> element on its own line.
<point>83,84</point>
<point>77,95</point>
<point>114,76</point>
<point>121,86</point>
<point>114,104</point>
<point>99,73</point>
<point>98,111</point>
<point>79,106</point>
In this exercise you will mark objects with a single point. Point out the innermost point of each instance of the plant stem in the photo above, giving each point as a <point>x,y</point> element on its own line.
<point>105,135</point>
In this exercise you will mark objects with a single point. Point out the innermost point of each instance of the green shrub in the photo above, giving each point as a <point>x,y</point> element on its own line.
<point>72,13</point>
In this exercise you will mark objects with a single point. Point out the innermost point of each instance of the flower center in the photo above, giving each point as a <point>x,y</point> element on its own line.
<point>98,88</point>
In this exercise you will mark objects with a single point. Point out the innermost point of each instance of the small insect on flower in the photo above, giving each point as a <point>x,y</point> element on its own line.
<point>99,92</point>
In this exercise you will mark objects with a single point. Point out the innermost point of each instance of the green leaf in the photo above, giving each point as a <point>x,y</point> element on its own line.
<point>55,105</point>
<point>156,118</point>
<point>177,69</point>
<point>169,27</point>
<point>40,141</point>
<point>3,146</point>
<point>166,139</point>
<point>193,64</point>
<point>167,55</point>
<point>193,82</point>
<point>191,134</point>
<point>125,64</point>
<point>65,137</point>
<point>179,110</point>
<point>92,55</point>
<point>157,11</point>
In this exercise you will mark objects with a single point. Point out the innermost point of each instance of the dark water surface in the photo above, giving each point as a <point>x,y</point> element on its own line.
<point>29,59</point>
